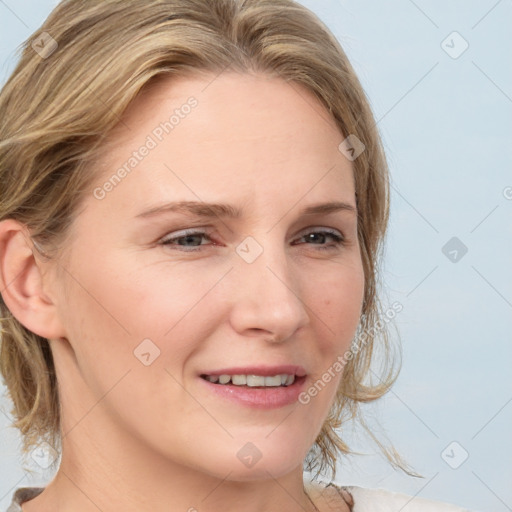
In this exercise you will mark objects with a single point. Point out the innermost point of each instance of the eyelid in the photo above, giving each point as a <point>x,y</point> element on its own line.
<point>182,233</point>
<point>321,229</point>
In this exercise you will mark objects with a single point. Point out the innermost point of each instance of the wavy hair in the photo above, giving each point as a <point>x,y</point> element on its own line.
<point>60,102</point>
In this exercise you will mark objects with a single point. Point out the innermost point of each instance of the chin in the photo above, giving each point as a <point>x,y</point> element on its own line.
<point>259,459</point>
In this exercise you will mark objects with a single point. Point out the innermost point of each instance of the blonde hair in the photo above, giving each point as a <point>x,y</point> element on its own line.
<point>56,109</point>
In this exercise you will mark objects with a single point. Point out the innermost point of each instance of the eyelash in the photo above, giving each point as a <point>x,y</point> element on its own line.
<point>339,240</point>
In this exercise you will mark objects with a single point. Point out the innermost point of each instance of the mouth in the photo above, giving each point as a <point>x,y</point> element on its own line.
<point>260,387</point>
<point>254,381</point>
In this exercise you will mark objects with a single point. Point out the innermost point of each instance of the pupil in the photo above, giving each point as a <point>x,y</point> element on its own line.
<point>312,235</point>
<point>188,238</point>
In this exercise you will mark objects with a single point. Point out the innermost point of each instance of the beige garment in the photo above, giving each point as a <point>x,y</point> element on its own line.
<point>360,499</point>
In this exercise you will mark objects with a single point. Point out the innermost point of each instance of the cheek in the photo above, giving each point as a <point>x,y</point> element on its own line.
<point>146,320</point>
<point>340,301</point>
<point>105,318</point>
<point>338,310</point>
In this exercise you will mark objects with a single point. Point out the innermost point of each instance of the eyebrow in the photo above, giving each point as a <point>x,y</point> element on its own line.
<point>210,210</point>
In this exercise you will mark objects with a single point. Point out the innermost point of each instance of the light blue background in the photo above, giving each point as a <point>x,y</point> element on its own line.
<point>447,128</point>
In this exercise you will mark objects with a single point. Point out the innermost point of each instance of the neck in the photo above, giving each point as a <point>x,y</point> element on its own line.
<point>69,491</point>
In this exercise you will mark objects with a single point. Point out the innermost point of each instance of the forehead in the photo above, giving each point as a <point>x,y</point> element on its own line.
<point>210,136</point>
<point>228,105</point>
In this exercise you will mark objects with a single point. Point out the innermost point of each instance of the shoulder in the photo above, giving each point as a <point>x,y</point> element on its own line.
<point>362,499</point>
<point>21,495</point>
<point>329,497</point>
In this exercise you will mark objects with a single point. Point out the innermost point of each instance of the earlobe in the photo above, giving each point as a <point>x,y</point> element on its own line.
<point>22,283</point>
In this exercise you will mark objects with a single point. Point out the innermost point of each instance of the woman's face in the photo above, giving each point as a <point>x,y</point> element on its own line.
<point>151,303</point>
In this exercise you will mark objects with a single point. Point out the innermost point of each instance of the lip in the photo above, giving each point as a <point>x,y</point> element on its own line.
<point>258,397</point>
<point>265,371</point>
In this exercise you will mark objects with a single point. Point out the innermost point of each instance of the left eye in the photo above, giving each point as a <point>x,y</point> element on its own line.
<point>313,235</point>
<point>189,237</point>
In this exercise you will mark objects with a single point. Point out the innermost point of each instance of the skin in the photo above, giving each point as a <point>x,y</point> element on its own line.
<point>144,437</point>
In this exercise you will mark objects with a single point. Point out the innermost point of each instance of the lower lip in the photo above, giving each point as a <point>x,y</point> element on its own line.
<point>259,398</point>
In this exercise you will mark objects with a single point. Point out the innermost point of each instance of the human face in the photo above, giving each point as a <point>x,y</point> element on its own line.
<point>257,291</point>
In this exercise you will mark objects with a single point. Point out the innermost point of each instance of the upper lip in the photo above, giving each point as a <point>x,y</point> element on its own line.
<point>288,369</point>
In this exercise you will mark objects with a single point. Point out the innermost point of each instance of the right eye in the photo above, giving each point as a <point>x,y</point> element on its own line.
<point>184,238</point>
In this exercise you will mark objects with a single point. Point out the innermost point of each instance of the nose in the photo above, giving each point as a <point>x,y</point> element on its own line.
<point>266,295</point>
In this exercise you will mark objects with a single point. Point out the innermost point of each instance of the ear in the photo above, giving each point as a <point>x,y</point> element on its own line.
<point>22,283</point>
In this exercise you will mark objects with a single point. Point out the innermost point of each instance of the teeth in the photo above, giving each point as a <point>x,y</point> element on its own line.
<point>273,381</point>
<point>253,380</point>
<point>224,379</point>
<point>256,380</point>
<point>239,380</point>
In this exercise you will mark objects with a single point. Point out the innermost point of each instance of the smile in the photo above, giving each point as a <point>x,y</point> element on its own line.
<point>252,380</point>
